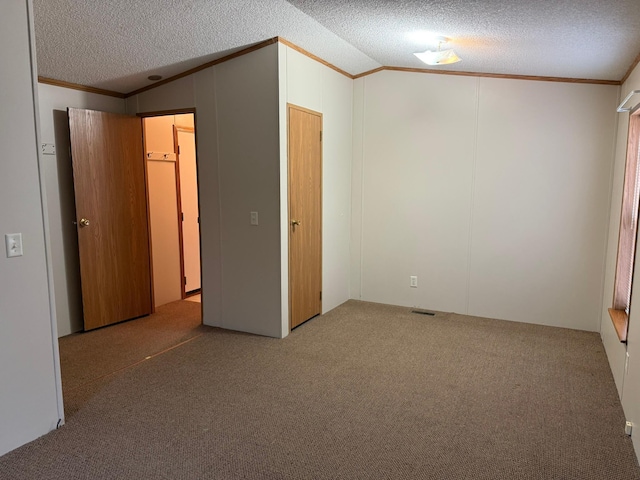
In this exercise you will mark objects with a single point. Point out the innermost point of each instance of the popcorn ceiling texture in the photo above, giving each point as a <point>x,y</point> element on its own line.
<point>594,39</point>
<point>116,44</point>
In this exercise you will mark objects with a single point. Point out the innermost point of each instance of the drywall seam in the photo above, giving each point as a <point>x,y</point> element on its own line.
<point>476,128</point>
<point>351,132</point>
<point>45,219</point>
<point>221,273</point>
<point>362,154</point>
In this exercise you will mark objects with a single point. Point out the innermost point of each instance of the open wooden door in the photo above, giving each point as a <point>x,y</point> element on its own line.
<point>111,209</point>
<point>305,214</point>
<point>185,141</point>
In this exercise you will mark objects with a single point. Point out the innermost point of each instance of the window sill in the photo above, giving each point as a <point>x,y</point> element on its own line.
<point>620,322</point>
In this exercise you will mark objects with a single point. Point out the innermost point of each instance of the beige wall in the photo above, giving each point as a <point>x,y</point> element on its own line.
<point>163,210</point>
<point>493,192</point>
<point>238,166</point>
<point>165,240</point>
<point>309,84</point>
<point>626,375</point>
<point>58,175</point>
<point>434,159</point>
<point>30,403</point>
<point>246,92</point>
<point>245,280</point>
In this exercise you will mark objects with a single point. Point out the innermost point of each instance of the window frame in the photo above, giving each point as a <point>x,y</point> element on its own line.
<point>628,232</point>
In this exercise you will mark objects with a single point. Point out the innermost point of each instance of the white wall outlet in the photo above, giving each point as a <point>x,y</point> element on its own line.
<point>254,218</point>
<point>628,428</point>
<point>13,242</point>
<point>48,149</point>
<point>413,281</point>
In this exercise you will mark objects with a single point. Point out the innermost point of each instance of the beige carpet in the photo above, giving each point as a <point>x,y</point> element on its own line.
<point>364,392</point>
<point>86,358</point>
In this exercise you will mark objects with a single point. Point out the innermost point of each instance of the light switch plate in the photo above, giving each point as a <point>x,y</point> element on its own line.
<point>254,218</point>
<point>13,242</point>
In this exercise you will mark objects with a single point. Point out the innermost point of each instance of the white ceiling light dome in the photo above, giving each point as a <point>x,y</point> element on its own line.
<point>439,57</point>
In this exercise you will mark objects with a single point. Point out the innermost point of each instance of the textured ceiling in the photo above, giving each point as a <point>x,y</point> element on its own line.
<point>593,39</point>
<point>116,44</point>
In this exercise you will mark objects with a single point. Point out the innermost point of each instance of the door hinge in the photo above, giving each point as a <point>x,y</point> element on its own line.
<point>185,280</point>
<point>178,152</point>
<point>320,295</point>
<point>182,216</point>
<point>320,135</point>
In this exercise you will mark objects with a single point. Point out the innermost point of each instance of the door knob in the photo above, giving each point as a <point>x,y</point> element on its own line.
<point>84,222</point>
<point>295,223</point>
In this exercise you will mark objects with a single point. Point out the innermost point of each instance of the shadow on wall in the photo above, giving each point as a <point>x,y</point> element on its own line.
<point>68,217</point>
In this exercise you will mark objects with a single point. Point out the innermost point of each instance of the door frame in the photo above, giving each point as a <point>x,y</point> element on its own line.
<point>319,114</point>
<point>163,113</point>
<point>176,131</point>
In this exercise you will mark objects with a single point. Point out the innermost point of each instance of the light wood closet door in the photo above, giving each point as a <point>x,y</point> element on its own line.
<point>111,209</point>
<point>305,214</point>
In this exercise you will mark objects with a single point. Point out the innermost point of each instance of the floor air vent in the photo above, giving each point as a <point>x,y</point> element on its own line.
<point>423,312</point>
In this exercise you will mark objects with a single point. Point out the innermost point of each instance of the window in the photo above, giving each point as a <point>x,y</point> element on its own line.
<point>628,232</point>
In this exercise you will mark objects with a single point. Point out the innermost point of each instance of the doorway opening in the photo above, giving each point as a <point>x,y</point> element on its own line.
<point>174,218</point>
<point>107,150</point>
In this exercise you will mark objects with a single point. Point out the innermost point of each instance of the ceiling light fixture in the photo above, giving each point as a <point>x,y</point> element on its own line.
<point>439,57</point>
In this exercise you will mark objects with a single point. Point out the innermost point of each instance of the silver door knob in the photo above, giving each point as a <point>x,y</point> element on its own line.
<point>84,222</point>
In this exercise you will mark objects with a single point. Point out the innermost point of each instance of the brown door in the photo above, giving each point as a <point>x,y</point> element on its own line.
<point>305,214</point>
<point>111,209</point>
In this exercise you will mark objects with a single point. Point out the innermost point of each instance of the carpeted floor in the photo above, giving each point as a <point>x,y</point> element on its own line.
<point>86,358</point>
<point>364,392</point>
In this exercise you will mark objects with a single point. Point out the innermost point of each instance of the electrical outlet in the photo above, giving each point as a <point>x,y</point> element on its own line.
<point>413,281</point>
<point>254,218</point>
<point>48,149</point>
<point>628,428</point>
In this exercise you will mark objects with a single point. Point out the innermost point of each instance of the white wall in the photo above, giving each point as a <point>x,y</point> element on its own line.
<point>58,175</point>
<point>249,165</point>
<point>237,138</point>
<point>493,192</point>
<point>29,398</point>
<point>198,91</point>
<point>628,382</point>
<point>312,85</point>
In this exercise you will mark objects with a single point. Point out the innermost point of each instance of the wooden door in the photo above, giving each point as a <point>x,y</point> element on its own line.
<point>186,142</point>
<point>305,214</point>
<point>111,209</point>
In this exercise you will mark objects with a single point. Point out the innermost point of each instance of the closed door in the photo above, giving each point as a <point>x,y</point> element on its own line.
<point>185,138</point>
<point>305,214</point>
<point>111,209</point>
